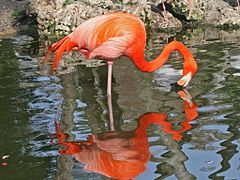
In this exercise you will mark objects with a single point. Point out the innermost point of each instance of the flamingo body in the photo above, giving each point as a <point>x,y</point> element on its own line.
<point>109,36</point>
<point>118,34</point>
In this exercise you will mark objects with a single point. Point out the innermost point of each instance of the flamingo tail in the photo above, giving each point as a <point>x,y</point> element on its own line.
<point>63,45</point>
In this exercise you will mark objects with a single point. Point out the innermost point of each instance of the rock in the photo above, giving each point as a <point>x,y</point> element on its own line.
<point>221,14</point>
<point>160,22</point>
<point>66,17</point>
<point>57,17</point>
<point>61,16</point>
<point>9,11</point>
<point>231,2</point>
<point>209,12</point>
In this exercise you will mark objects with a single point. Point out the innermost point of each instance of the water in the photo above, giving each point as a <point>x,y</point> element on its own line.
<point>58,126</point>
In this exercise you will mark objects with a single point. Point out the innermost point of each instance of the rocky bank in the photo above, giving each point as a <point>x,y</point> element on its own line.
<point>62,16</point>
<point>59,17</point>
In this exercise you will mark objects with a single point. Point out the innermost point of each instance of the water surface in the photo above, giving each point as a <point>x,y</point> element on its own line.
<point>50,124</point>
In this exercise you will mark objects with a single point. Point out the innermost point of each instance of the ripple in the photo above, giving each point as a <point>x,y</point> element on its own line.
<point>214,108</point>
<point>218,127</point>
<point>165,76</point>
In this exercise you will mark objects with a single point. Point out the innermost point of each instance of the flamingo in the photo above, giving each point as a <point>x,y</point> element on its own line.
<point>112,35</point>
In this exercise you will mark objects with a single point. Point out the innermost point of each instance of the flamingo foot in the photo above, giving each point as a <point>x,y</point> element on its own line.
<point>185,80</point>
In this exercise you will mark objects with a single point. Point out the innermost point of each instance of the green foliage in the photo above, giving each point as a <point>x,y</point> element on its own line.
<point>66,2</point>
<point>50,26</point>
<point>118,1</point>
<point>18,14</point>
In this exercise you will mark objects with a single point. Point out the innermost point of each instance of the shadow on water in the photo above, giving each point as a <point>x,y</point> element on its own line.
<point>197,140</point>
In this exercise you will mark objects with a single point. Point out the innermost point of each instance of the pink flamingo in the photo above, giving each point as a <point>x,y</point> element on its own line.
<point>118,34</point>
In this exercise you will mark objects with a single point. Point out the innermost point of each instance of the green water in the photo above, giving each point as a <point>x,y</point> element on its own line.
<point>30,103</point>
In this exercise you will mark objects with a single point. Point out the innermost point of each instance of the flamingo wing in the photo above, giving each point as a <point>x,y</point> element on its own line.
<point>108,36</point>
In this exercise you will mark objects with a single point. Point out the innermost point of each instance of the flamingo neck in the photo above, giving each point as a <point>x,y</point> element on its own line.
<point>190,64</point>
<point>148,119</point>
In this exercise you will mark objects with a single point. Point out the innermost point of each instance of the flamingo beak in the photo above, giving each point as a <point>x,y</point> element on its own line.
<point>185,80</point>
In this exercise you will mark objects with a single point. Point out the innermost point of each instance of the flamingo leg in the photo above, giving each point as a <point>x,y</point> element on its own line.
<point>190,5</point>
<point>238,6</point>
<point>109,84</point>
<point>109,95</point>
<point>165,12</point>
<point>110,114</point>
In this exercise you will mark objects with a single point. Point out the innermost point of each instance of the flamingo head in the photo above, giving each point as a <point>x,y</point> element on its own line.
<point>190,68</point>
<point>184,81</point>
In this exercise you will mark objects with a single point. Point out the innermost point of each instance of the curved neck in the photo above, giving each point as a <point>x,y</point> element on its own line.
<point>190,64</point>
<point>148,119</point>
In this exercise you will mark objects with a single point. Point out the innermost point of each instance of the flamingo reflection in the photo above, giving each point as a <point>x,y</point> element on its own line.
<point>124,154</point>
